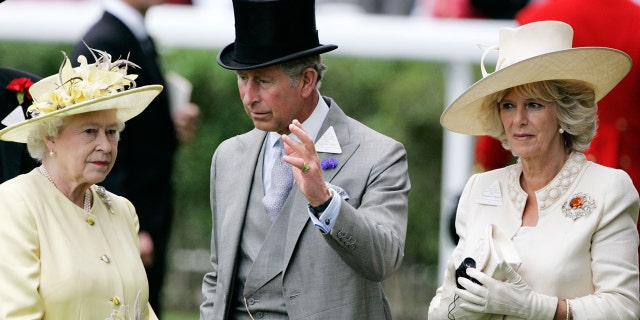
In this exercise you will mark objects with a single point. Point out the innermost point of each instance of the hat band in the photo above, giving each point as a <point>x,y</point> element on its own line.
<point>250,53</point>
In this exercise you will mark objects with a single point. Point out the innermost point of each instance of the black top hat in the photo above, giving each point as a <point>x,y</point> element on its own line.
<point>270,32</point>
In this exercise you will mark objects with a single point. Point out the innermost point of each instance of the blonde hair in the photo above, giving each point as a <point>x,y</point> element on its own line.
<point>575,107</point>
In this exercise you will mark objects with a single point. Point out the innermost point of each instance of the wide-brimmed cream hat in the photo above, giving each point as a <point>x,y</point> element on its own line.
<point>535,52</point>
<point>103,85</point>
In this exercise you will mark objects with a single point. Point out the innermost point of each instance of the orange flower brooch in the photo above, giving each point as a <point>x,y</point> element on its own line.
<point>579,205</point>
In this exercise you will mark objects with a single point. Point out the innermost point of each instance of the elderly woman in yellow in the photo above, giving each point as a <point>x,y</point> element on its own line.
<point>554,235</point>
<point>69,247</point>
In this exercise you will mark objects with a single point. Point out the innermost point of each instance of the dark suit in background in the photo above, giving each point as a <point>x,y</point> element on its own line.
<point>14,158</point>
<point>144,168</point>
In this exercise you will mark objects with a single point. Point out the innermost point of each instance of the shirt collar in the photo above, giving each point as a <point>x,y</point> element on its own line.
<point>312,125</point>
<point>129,16</point>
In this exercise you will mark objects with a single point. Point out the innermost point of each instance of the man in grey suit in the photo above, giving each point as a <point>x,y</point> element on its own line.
<point>320,245</point>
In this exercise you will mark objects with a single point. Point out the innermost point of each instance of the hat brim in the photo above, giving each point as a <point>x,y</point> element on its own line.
<point>602,68</point>
<point>225,57</point>
<point>127,104</point>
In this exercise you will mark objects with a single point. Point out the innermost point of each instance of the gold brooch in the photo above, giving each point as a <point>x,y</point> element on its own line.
<point>579,205</point>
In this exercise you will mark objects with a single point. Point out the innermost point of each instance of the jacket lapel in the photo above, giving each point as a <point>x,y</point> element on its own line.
<point>298,220</point>
<point>236,205</point>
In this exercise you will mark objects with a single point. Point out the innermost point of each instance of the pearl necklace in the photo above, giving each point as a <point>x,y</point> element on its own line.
<point>87,194</point>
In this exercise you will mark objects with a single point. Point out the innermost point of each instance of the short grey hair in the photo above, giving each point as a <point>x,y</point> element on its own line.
<point>575,107</point>
<point>295,68</point>
<point>37,139</point>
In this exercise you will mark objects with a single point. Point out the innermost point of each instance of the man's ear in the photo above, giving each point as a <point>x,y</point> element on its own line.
<point>308,81</point>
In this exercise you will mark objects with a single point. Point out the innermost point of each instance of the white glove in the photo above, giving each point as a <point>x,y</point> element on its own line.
<point>512,297</point>
<point>443,307</point>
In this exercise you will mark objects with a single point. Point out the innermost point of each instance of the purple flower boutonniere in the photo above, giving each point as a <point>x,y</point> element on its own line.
<point>329,163</point>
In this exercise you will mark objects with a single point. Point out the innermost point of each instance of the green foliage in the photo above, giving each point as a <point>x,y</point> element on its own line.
<point>38,58</point>
<point>181,316</point>
<point>402,99</point>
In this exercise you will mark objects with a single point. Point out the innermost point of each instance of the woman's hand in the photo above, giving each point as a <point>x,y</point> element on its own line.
<point>512,297</point>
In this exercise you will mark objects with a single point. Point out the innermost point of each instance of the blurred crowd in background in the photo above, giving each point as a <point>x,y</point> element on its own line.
<point>498,9</point>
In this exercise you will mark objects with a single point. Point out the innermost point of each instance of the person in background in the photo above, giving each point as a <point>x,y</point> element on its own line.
<point>179,2</point>
<point>145,169</point>
<point>70,247</point>
<point>498,9</point>
<point>469,9</point>
<point>15,98</point>
<point>609,23</point>
<point>309,209</point>
<point>554,235</point>
<point>386,7</point>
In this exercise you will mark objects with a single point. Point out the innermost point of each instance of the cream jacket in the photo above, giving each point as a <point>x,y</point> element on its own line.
<point>56,265</point>
<point>586,252</point>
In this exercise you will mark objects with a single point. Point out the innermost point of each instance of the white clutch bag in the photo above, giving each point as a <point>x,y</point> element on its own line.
<point>496,248</point>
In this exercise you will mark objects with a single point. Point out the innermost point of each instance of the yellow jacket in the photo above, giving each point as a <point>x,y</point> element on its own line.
<point>56,265</point>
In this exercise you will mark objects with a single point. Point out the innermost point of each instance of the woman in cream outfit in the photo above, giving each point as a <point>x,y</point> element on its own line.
<point>570,224</point>
<point>69,247</point>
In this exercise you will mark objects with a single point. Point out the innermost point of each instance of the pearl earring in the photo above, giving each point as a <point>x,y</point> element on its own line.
<point>561,130</point>
<point>51,153</point>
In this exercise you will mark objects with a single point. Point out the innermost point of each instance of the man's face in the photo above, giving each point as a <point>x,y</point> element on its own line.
<point>271,98</point>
